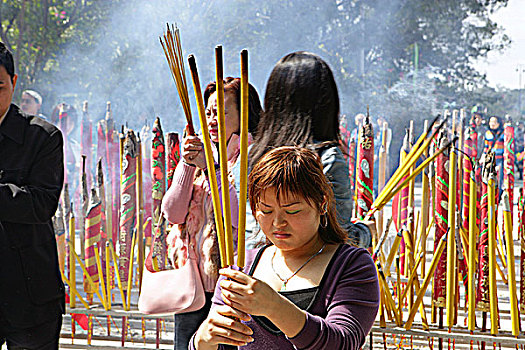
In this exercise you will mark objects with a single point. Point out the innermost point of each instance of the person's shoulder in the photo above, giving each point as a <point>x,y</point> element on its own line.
<point>42,125</point>
<point>330,151</point>
<point>349,255</point>
<point>252,256</point>
<point>37,124</point>
<point>351,250</point>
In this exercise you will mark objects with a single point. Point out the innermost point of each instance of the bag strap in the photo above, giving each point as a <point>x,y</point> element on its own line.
<point>192,253</point>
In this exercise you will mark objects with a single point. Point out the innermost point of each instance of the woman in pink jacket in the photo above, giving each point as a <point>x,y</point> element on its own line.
<point>188,204</point>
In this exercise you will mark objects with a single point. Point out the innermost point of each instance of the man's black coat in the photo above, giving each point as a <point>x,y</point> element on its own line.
<point>31,179</point>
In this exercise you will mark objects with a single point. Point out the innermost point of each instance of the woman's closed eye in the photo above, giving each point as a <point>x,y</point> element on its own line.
<point>292,212</point>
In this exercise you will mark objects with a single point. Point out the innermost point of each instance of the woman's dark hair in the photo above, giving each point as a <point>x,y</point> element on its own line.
<point>297,171</point>
<point>6,60</point>
<point>301,105</point>
<point>233,85</point>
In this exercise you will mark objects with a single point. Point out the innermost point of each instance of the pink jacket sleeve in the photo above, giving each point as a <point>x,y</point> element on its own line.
<point>176,201</point>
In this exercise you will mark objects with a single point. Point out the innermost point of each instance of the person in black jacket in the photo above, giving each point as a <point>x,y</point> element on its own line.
<point>31,178</point>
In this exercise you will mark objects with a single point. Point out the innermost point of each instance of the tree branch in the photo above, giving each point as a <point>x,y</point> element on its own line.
<point>3,33</point>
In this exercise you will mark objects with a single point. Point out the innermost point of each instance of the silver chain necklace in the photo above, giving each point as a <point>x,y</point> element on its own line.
<point>285,280</point>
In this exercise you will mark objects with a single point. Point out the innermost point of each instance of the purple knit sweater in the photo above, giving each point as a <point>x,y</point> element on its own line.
<point>341,314</point>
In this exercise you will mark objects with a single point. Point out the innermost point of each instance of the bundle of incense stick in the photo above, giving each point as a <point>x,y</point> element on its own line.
<point>223,156</point>
<point>223,218</point>
<point>173,51</point>
<point>399,179</point>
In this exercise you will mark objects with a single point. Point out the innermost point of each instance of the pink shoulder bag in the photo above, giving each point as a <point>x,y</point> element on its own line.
<point>172,291</point>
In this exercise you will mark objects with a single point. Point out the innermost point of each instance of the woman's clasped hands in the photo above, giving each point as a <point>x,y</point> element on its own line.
<point>243,296</point>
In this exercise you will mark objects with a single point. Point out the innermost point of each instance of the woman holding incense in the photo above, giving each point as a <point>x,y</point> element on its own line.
<point>306,289</point>
<point>188,203</point>
<point>301,108</point>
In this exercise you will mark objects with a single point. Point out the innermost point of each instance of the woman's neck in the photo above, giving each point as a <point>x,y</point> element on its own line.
<point>303,252</point>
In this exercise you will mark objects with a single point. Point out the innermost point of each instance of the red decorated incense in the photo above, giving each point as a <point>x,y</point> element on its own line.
<point>92,238</point>
<point>365,169</point>
<point>402,206</point>
<point>173,153</point>
<point>128,209</point>
<point>60,236</point>
<point>351,162</point>
<point>145,136</point>
<point>509,157</point>
<point>108,150</point>
<point>66,202</point>
<point>86,142</point>
<point>84,206</point>
<point>158,180</point>
<point>521,229</point>
<point>101,191</point>
<point>441,220</point>
<point>482,294</point>
<point>470,149</point>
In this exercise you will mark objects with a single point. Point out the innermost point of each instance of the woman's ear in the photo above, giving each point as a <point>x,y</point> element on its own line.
<point>324,206</point>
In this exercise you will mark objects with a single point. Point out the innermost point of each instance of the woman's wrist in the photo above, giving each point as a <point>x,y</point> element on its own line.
<point>186,163</point>
<point>286,316</point>
<point>200,344</point>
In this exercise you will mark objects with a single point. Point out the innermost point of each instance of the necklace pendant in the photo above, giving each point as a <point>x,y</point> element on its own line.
<point>284,286</point>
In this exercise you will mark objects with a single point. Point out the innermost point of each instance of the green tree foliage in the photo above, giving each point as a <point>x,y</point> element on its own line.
<point>38,32</point>
<point>111,49</point>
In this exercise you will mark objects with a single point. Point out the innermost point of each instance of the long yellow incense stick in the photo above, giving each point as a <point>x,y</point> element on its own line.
<point>117,274</point>
<point>514,313</point>
<point>73,291</point>
<point>415,279</point>
<point>108,277</point>
<point>72,265</point>
<point>421,244</point>
<point>493,298</point>
<point>210,163</point>
<point>382,321</point>
<point>140,216</point>
<point>223,156</point>
<point>412,276</point>
<point>378,204</point>
<point>101,277</point>
<point>425,207</point>
<point>381,177</point>
<point>410,160</point>
<point>130,272</point>
<point>393,251</point>
<point>472,252</point>
<point>388,297</point>
<point>426,281</point>
<point>86,274</point>
<point>243,186</point>
<point>499,247</point>
<point>451,243</point>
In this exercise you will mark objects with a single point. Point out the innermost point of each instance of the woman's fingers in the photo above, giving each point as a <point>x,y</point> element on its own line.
<point>227,341</point>
<point>192,151</point>
<point>192,143</point>
<point>223,325</point>
<point>235,275</point>
<point>233,286</point>
<point>231,312</point>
